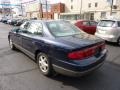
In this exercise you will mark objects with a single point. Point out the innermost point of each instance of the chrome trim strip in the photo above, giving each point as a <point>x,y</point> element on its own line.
<point>78,72</point>
<point>25,51</point>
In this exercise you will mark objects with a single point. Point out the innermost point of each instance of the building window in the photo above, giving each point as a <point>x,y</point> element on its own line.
<point>92,16</point>
<point>114,13</point>
<point>103,14</point>
<point>71,6</point>
<point>96,4</point>
<point>89,5</point>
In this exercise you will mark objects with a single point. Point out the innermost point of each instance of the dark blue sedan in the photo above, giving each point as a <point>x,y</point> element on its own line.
<point>58,46</point>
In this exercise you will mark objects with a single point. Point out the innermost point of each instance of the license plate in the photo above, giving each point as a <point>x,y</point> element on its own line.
<point>100,31</point>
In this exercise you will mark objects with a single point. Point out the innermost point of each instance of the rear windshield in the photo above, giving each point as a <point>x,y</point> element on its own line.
<point>62,28</point>
<point>106,23</point>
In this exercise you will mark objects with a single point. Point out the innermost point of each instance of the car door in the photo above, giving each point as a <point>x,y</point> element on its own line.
<point>18,35</point>
<point>34,31</point>
<point>17,39</point>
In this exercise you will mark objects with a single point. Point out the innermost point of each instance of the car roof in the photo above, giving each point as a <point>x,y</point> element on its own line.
<point>44,21</point>
<point>112,18</point>
<point>85,20</point>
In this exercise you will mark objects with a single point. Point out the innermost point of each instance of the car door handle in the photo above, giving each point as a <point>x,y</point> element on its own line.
<point>33,42</point>
<point>17,35</point>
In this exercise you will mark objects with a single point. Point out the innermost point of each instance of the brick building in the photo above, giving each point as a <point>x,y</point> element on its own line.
<point>35,9</point>
<point>56,9</point>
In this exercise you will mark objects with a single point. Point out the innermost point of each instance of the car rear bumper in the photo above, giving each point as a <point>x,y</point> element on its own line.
<point>75,70</point>
<point>110,38</point>
<point>74,73</point>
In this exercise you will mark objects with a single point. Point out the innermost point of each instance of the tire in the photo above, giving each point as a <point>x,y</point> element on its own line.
<point>12,46</point>
<point>44,64</point>
<point>118,42</point>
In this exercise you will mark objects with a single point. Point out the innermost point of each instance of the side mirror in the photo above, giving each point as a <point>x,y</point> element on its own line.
<point>16,30</point>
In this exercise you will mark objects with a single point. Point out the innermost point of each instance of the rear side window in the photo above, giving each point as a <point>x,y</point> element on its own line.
<point>92,23</point>
<point>35,28</point>
<point>86,23</point>
<point>118,23</point>
<point>106,23</point>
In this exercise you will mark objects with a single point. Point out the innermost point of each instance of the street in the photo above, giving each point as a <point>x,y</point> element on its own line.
<point>19,72</point>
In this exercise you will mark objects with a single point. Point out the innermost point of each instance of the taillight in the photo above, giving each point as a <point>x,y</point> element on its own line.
<point>103,46</point>
<point>79,55</point>
<point>86,53</point>
<point>76,55</point>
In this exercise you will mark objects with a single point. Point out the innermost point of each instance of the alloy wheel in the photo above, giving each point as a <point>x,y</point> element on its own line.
<point>43,63</point>
<point>119,41</point>
<point>11,44</point>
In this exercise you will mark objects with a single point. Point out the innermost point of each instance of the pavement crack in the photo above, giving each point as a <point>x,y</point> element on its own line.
<point>14,73</point>
<point>115,58</point>
<point>7,52</point>
<point>4,48</point>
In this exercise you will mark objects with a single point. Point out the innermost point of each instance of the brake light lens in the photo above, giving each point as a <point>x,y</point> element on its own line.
<point>103,46</point>
<point>86,53</point>
<point>79,55</point>
<point>76,55</point>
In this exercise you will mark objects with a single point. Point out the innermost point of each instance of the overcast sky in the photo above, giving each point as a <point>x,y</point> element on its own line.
<point>52,1</point>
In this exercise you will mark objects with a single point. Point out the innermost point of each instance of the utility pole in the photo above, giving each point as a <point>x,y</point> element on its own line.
<point>40,9</point>
<point>11,12</point>
<point>111,7</point>
<point>46,9</point>
<point>21,9</point>
<point>81,9</point>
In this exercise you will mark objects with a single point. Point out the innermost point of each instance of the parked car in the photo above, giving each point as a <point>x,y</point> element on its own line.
<point>9,21</point>
<point>59,46</point>
<point>87,26</point>
<point>20,21</point>
<point>14,21</point>
<point>109,30</point>
<point>4,20</point>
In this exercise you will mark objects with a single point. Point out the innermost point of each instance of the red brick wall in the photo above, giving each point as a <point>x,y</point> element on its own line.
<point>48,15</point>
<point>58,8</point>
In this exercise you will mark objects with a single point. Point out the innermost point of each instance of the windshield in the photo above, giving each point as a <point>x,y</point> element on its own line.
<point>106,23</point>
<point>62,28</point>
<point>118,23</point>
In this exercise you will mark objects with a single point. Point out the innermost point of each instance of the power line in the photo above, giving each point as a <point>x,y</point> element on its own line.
<point>111,7</point>
<point>9,5</point>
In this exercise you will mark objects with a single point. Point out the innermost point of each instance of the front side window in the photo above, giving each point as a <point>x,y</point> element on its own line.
<point>106,23</point>
<point>62,28</point>
<point>25,25</point>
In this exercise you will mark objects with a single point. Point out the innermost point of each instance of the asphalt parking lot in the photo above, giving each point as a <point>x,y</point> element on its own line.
<point>19,72</point>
